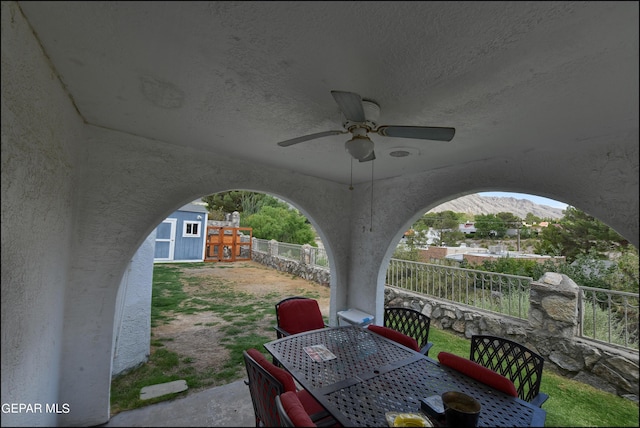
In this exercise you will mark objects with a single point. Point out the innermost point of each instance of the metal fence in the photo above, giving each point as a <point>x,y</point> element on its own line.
<point>605,315</point>
<point>609,316</point>
<point>319,257</point>
<point>501,293</point>
<point>316,256</point>
<point>260,245</point>
<point>289,251</point>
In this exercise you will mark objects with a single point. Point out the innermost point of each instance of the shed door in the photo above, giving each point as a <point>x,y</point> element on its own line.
<point>165,240</point>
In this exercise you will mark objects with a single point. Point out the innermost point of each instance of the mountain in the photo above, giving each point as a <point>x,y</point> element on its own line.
<point>475,204</point>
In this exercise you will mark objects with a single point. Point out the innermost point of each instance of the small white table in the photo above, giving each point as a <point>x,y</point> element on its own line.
<point>354,317</point>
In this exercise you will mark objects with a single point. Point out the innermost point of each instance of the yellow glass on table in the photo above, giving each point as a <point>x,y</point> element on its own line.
<point>395,419</point>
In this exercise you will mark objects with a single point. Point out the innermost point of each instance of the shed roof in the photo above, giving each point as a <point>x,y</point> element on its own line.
<point>191,207</point>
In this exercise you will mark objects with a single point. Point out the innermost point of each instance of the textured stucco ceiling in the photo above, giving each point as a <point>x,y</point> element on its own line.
<point>235,78</point>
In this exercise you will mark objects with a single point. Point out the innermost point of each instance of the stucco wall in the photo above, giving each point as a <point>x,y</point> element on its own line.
<point>38,144</point>
<point>132,327</point>
<point>171,177</point>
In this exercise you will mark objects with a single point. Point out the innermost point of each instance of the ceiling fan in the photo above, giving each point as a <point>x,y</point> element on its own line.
<point>361,118</point>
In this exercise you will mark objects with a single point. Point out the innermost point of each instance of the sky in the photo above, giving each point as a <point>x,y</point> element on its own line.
<point>535,199</point>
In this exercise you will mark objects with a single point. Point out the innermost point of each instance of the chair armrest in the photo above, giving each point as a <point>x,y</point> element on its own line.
<point>280,333</point>
<point>425,348</point>
<point>539,399</point>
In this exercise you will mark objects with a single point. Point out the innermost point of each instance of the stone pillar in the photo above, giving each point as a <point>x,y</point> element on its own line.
<point>554,306</point>
<point>235,219</point>
<point>305,254</point>
<point>273,248</point>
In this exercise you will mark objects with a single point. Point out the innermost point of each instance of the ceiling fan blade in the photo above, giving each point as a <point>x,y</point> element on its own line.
<point>419,132</point>
<point>304,138</point>
<point>351,105</point>
<point>371,157</point>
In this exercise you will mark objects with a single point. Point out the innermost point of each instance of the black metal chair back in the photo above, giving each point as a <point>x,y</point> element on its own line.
<point>410,322</point>
<point>264,388</point>
<point>512,360</point>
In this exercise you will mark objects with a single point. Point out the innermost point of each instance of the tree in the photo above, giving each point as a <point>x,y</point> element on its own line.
<point>579,233</point>
<point>532,219</point>
<point>490,225</point>
<point>625,276</point>
<point>282,224</point>
<point>445,222</point>
<point>227,202</point>
<point>510,219</point>
<point>245,202</point>
<point>240,200</point>
<point>451,237</point>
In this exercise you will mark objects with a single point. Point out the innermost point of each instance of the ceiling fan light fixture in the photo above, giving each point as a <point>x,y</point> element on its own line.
<point>359,147</point>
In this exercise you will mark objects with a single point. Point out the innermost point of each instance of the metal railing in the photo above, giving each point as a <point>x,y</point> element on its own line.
<point>260,245</point>
<point>289,251</point>
<point>609,316</point>
<point>316,256</point>
<point>319,257</point>
<point>605,315</point>
<point>501,293</point>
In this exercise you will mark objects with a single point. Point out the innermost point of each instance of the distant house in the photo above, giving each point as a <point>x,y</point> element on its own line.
<point>468,228</point>
<point>537,228</point>
<point>476,255</point>
<point>181,236</point>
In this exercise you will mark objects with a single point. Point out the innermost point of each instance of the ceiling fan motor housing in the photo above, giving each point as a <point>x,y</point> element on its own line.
<point>371,112</point>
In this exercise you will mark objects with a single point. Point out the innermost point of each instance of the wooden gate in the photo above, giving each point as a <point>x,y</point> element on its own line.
<point>228,244</point>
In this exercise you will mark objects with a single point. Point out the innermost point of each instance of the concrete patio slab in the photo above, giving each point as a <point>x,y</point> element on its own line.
<point>223,406</point>
<point>153,391</point>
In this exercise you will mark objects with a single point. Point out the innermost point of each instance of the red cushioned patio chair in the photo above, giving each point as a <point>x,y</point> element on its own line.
<point>297,314</point>
<point>512,360</point>
<point>266,381</point>
<point>411,323</point>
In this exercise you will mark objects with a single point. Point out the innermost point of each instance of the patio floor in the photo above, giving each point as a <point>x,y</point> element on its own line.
<point>223,406</point>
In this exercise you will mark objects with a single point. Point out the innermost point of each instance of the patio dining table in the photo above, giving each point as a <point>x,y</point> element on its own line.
<point>363,376</point>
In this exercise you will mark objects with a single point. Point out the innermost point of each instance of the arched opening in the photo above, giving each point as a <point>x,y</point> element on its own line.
<point>201,315</point>
<point>601,267</point>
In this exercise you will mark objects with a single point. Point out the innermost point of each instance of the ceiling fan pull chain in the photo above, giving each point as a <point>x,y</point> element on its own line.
<point>371,215</point>
<point>351,178</point>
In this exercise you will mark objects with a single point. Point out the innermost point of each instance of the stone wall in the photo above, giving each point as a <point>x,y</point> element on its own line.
<point>551,330</point>
<point>299,268</point>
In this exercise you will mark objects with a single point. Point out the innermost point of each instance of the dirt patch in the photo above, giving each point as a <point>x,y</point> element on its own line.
<point>196,336</point>
<point>193,338</point>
